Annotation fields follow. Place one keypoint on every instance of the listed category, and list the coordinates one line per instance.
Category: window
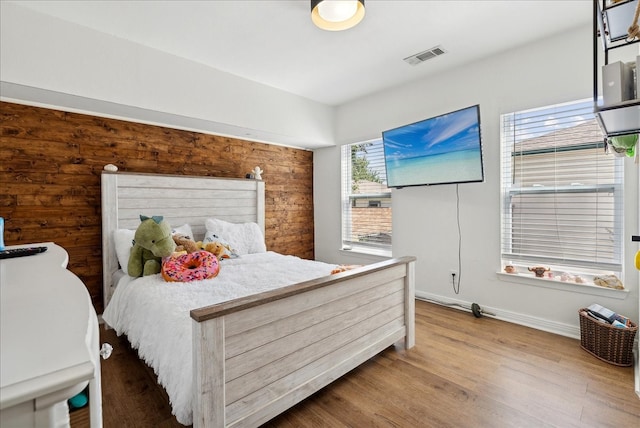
(561, 194)
(366, 200)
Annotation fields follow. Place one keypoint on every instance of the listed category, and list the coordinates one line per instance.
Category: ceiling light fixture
(337, 15)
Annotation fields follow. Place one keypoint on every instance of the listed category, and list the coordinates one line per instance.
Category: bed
(255, 354)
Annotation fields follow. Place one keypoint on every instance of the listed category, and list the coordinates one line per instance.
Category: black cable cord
(457, 289)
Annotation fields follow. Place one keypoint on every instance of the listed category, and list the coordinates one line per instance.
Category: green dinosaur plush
(152, 241)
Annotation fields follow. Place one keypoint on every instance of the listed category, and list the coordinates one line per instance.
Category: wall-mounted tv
(441, 150)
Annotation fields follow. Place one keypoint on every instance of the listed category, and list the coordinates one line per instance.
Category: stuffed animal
(216, 248)
(344, 268)
(185, 243)
(152, 241)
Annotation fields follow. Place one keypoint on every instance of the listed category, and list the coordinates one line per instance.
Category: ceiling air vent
(425, 55)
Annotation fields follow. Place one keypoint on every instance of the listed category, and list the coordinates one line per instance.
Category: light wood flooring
(463, 372)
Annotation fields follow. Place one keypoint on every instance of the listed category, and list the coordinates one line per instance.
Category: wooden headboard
(179, 199)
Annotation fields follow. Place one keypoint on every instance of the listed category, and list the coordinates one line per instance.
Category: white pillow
(245, 238)
(124, 241)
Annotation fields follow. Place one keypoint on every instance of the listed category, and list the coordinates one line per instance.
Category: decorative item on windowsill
(510, 269)
(539, 271)
(566, 277)
(608, 281)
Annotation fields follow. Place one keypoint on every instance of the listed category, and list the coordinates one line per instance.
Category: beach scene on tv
(443, 149)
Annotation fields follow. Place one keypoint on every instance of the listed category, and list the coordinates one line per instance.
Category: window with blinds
(561, 194)
(366, 200)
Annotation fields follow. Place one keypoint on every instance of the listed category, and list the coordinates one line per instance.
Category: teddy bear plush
(151, 242)
(216, 248)
(185, 243)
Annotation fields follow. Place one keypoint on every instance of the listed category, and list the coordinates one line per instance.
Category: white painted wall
(74, 67)
(424, 218)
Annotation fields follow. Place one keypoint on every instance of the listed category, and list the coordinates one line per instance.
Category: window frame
(509, 192)
(349, 203)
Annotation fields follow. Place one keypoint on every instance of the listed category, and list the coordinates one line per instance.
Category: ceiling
(276, 44)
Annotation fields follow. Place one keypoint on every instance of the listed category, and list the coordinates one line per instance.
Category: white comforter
(154, 314)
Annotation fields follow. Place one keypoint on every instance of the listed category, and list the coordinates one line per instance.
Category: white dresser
(49, 341)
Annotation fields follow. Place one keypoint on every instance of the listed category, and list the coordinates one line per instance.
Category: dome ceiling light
(337, 15)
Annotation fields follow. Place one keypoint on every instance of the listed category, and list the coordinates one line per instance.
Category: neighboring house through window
(366, 200)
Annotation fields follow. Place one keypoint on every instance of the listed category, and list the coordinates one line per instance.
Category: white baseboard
(562, 329)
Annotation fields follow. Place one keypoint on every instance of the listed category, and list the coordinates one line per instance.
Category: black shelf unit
(622, 118)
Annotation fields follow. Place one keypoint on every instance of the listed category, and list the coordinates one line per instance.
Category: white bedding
(154, 314)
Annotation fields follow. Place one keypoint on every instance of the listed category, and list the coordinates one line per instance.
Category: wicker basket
(611, 344)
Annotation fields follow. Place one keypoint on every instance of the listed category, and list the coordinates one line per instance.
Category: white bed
(239, 349)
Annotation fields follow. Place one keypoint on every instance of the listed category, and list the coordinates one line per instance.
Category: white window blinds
(561, 194)
(366, 200)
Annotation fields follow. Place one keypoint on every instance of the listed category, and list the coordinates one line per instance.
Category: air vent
(425, 55)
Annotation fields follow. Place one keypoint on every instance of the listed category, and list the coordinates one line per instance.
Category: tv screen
(441, 150)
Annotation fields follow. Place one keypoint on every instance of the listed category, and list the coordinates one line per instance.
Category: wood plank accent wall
(50, 165)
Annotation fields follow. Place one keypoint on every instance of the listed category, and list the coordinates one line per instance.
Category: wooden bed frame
(257, 356)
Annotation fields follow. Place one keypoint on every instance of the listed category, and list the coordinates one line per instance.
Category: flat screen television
(444, 149)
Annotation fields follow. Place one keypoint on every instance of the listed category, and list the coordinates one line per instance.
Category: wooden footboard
(255, 357)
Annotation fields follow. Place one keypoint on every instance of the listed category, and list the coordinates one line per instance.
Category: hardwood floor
(463, 372)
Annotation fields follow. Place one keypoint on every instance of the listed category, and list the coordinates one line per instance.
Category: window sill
(556, 284)
(355, 250)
